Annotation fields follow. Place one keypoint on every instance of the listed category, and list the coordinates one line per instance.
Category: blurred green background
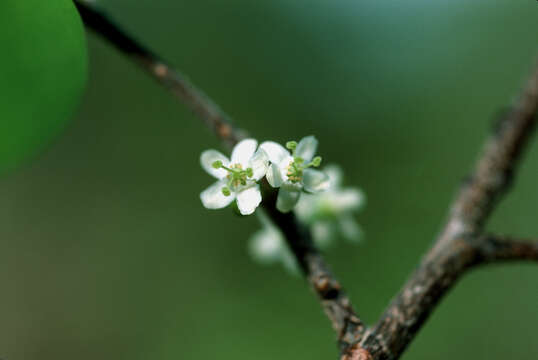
(107, 252)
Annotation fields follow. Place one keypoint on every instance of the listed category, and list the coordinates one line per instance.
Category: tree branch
(460, 245)
(174, 81)
(335, 302)
(495, 249)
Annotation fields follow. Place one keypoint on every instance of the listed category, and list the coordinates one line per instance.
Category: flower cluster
(237, 179)
(327, 210)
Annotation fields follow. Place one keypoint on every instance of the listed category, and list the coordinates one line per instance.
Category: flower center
(295, 170)
(296, 167)
(236, 176)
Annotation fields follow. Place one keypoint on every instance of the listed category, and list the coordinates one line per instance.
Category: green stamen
(296, 167)
(291, 145)
(295, 170)
(237, 176)
(226, 191)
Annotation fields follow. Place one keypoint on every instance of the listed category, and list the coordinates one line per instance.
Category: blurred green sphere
(42, 74)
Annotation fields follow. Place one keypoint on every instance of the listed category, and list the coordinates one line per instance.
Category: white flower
(237, 179)
(292, 172)
(268, 246)
(332, 210)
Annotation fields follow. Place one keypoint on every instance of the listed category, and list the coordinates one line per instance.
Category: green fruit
(43, 67)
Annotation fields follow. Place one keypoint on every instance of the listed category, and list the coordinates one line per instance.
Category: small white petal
(269, 245)
(335, 173)
(285, 163)
(213, 198)
(249, 199)
(315, 180)
(207, 159)
(266, 245)
(323, 234)
(276, 152)
(274, 176)
(306, 207)
(348, 199)
(243, 151)
(350, 229)
(290, 262)
(288, 195)
(306, 148)
(259, 164)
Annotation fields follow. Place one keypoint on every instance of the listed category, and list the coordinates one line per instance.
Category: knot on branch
(327, 287)
(357, 353)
